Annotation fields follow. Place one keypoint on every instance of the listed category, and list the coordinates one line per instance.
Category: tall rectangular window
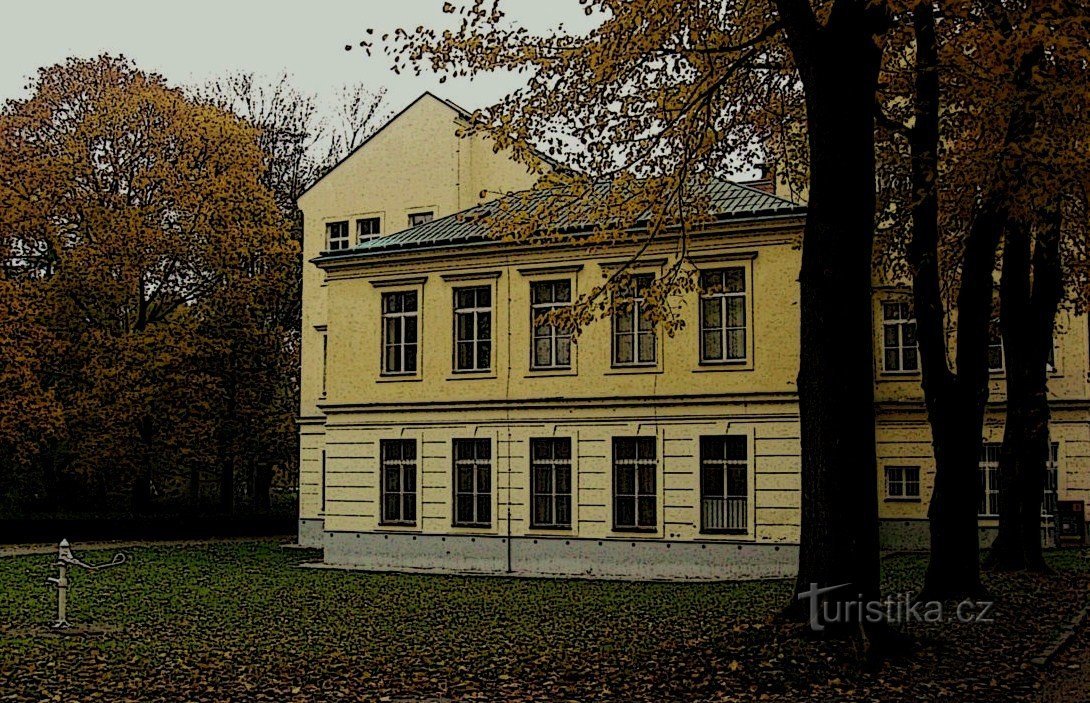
(325, 361)
(903, 482)
(472, 483)
(899, 338)
(473, 328)
(635, 497)
(550, 483)
(1052, 480)
(724, 483)
(420, 218)
(323, 481)
(996, 362)
(398, 457)
(723, 315)
(400, 332)
(634, 341)
(551, 344)
(368, 228)
(989, 479)
(336, 235)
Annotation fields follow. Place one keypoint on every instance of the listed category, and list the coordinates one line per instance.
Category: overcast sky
(193, 40)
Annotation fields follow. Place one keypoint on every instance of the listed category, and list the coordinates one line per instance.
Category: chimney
(766, 181)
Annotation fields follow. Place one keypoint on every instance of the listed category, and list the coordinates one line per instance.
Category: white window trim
(402, 320)
(475, 311)
(899, 325)
(634, 313)
(555, 335)
(724, 329)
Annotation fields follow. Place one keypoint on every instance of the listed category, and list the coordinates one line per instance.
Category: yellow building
(441, 429)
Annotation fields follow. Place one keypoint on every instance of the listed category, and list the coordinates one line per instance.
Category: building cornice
(562, 402)
(747, 233)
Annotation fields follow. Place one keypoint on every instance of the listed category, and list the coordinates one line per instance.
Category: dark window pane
(464, 508)
(563, 351)
(484, 509)
(563, 510)
(713, 482)
(624, 511)
(465, 479)
(390, 507)
(734, 280)
(712, 344)
(626, 481)
(647, 517)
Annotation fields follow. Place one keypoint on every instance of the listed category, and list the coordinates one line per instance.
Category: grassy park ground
(239, 622)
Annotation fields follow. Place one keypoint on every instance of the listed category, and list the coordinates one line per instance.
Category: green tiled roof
(728, 201)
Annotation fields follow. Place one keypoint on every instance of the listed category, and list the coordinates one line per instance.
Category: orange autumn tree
(124, 209)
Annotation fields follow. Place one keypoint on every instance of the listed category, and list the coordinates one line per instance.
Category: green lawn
(240, 622)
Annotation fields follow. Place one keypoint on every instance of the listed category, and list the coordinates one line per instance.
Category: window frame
(475, 464)
(402, 318)
(360, 238)
(725, 465)
(635, 300)
(995, 341)
(616, 466)
(412, 218)
(345, 239)
(898, 475)
(988, 468)
(476, 311)
(724, 329)
(552, 464)
(404, 465)
(555, 336)
(1051, 487)
(899, 324)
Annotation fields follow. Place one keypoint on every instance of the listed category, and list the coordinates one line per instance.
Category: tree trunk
(955, 435)
(142, 482)
(839, 532)
(956, 403)
(1029, 300)
(262, 499)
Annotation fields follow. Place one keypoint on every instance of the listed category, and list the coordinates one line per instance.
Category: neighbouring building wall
(904, 435)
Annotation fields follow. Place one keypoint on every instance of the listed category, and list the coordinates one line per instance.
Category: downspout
(507, 397)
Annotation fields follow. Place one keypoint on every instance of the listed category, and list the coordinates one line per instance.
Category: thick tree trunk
(956, 403)
(142, 482)
(262, 498)
(951, 412)
(839, 533)
(1029, 300)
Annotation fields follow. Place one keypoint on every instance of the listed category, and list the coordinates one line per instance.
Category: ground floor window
(989, 479)
(903, 482)
(550, 483)
(724, 483)
(398, 458)
(635, 503)
(472, 483)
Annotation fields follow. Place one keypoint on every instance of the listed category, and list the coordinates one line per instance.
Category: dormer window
(336, 235)
(420, 218)
(368, 228)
